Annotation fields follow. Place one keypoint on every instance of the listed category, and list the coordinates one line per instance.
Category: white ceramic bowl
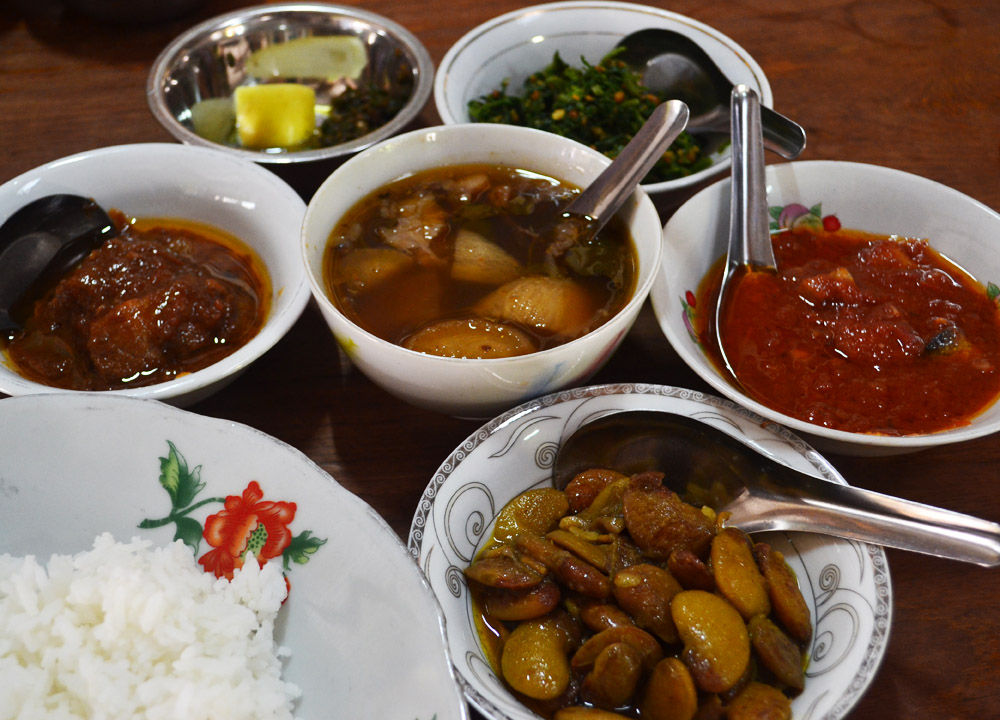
(465, 387)
(863, 197)
(359, 611)
(516, 44)
(845, 584)
(191, 183)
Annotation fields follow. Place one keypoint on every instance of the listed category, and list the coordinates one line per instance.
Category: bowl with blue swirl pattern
(845, 584)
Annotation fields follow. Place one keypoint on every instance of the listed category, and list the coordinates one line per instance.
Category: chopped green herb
(359, 111)
(601, 105)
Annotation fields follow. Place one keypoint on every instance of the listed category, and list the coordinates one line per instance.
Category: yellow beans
(670, 693)
(716, 642)
(644, 592)
(535, 659)
(535, 512)
(789, 606)
(758, 701)
(736, 573)
(618, 595)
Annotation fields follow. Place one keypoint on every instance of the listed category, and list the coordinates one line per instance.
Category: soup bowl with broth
(435, 260)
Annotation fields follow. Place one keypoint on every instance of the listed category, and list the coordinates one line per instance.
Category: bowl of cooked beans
(623, 593)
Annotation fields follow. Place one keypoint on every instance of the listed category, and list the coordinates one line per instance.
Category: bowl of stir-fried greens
(554, 67)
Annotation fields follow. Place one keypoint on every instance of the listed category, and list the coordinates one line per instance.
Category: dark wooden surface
(908, 84)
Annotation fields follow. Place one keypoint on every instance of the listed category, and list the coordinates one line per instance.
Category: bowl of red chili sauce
(879, 332)
(199, 281)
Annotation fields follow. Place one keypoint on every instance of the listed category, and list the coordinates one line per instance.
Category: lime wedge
(332, 57)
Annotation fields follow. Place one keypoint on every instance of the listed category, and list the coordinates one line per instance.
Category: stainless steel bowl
(209, 61)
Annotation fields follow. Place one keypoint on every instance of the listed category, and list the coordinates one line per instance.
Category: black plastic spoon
(676, 65)
(40, 242)
(762, 494)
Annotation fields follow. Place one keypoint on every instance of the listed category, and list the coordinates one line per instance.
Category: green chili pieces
(601, 105)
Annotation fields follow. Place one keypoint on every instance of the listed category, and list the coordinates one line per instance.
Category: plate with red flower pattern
(359, 615)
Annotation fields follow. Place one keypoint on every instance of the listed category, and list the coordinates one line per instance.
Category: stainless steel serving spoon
(602, 198)
(675, 65)
(750, 249)
(40, 242)
(596, 205)
(762, 494)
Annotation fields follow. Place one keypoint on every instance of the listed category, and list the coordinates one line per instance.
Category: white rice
(126, 631)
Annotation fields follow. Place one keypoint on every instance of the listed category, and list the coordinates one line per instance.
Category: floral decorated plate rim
(846, 583)
(358, 611)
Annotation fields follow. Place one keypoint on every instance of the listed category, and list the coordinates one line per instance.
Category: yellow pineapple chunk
(275, 115)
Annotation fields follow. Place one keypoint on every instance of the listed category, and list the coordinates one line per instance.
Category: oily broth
(474, 243)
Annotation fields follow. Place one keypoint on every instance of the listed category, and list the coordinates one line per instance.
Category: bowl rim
(276, 325)
(764, 89)
(694, 358)
(318, 285)
(423, 68)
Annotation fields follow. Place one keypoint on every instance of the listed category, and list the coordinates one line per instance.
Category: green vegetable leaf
(189, 531)
(302, 546)
(181, 483)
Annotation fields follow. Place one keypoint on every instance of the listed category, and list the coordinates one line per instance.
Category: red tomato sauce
(161, 299)
(861, 333)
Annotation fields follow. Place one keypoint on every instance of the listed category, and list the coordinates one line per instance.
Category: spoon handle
(749, 223)
(781, 134)
(849, 512)
(607, 193)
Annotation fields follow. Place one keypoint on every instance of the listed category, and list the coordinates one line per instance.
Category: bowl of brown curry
(195, 283)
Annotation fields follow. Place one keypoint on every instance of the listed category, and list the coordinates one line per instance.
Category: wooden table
(908, 84)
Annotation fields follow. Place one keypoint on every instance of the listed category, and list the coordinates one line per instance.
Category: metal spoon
(762, 494)
(40, 242)
(674, 64)
(598, 203)
(750, 249)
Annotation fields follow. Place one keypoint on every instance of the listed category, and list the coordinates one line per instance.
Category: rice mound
(126, 631)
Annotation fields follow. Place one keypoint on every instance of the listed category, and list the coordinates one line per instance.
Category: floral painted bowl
(846, 584)
(830, 195)
(358, 612)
